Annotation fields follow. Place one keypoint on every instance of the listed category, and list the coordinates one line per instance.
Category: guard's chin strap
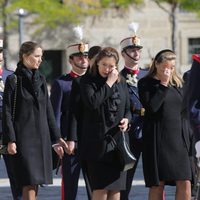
(130, 56)
(80, 67)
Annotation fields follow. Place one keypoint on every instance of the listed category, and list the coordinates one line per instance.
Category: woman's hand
(59, 150)
(112, 77)
(12, 148)
(71, 147)
(123, 124)
(164, 76)
(62, 143)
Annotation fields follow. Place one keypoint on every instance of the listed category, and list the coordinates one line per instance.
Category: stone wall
(110, 28)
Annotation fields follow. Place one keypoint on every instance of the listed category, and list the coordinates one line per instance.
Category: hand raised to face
(165, 71)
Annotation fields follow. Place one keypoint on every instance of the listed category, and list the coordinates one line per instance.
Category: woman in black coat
(166, 134)
(106, 110)
(29, 125)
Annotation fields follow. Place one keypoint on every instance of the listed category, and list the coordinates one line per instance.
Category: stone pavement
(138, 192)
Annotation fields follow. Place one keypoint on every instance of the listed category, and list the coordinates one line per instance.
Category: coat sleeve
(92, 96)
(56, 100)
(151, 95)
(53, 128)
(74, 111)
(7, 121)
(128, 105)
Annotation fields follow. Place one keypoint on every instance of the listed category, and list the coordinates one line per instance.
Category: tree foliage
(119, 3)
(175, 5)
(51, 13)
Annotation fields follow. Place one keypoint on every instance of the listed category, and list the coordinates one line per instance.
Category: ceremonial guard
(194, 95)
(193, 76)
(131, 53)
(60, 95)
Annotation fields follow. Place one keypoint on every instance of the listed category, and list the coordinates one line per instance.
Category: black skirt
(106, 175)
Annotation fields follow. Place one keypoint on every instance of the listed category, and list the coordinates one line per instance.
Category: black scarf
(33, 76)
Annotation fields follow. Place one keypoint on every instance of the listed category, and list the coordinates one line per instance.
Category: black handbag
(123, 157)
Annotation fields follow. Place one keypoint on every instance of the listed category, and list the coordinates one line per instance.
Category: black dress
(165, 151)
(103, 109)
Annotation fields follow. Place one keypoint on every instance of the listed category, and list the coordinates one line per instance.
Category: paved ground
(138, 192)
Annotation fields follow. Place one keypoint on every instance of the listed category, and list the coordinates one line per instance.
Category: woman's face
(106, 65)
(33, 60)
(165, 68)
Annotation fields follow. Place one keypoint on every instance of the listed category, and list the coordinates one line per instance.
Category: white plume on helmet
(133, 40)
(79, 47)
(133, 27)
(78, 31)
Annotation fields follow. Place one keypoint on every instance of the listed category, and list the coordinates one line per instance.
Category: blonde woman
(166, 132)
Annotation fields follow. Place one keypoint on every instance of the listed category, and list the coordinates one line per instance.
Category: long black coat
(94, 93)
(159, 162)
(34, 129)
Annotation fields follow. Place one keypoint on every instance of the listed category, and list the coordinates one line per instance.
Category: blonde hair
(163, 56)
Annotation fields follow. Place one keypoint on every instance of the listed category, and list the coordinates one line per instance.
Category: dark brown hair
(28, 48)
(106, 52)
(93, 51)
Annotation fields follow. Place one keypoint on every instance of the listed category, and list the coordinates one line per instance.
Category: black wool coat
(94, 93)
(33, 129)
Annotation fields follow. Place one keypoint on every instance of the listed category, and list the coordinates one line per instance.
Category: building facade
(109, 29)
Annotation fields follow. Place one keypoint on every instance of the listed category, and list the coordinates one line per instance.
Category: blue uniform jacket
(4, 76)
(137, 119)
(194, 92)
(60, 96)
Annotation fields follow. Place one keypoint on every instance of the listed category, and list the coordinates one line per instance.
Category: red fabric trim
(73, 74)
(132, 71)
(196, 57)
(1, 71)
(62, 185)
(163, 195)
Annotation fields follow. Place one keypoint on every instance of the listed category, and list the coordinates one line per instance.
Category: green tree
(52, 13)
(174, 7)
(46, 14)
